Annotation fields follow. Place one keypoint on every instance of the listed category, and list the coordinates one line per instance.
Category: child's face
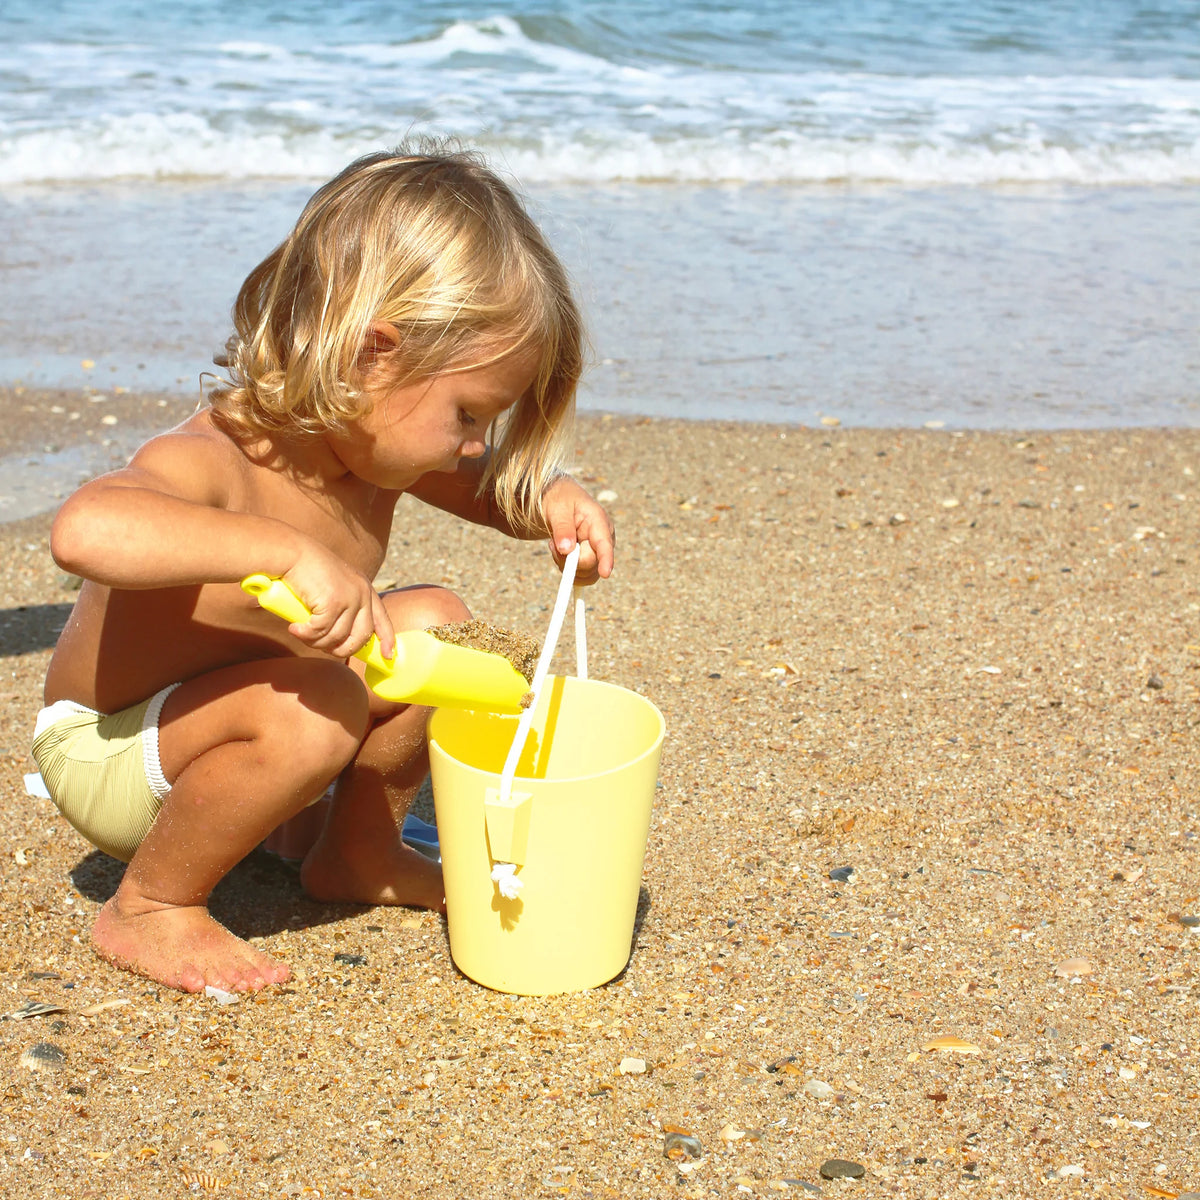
(431, 424)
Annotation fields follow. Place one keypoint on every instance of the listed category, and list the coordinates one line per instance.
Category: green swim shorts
(103, 771)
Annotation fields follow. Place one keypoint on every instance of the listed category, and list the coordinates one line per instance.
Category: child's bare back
(183, 724)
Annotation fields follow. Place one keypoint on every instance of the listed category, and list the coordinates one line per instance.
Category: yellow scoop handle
(424, 670)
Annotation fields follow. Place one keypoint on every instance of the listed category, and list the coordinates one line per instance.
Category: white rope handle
(580, 634)
(539, 675)
(504, 874)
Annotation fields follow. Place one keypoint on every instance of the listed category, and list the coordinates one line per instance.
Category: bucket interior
(582, 728)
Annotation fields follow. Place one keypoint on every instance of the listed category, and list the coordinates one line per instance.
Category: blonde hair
(435, 244)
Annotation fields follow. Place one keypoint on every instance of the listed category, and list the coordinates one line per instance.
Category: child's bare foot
(396, 874)
(183, 948)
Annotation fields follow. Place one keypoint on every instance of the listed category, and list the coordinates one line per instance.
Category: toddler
(413, 334)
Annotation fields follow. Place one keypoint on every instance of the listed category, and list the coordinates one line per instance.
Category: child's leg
(359, 855)
(244, 748)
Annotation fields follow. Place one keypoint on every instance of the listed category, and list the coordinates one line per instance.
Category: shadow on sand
(261, 896)
(31, 627)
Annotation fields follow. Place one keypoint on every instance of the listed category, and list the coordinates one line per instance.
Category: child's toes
(278, 972)
(191, 979)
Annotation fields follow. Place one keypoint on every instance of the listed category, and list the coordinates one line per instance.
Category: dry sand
(965, 666)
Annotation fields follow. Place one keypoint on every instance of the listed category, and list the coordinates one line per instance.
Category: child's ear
(381, 339)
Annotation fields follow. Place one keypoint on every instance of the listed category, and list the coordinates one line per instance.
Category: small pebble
(1069, 1170)
(803, 1183)
(633, 1066)
(351, 960)
(43, 1056)
(1070, 967)
(841, 874)
(818, 1089)
(841, 1168)
(682, 1147)
(1155, 682)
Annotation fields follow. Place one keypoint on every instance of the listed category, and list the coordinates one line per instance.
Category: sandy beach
(964, 665)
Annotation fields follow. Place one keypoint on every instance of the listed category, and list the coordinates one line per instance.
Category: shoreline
(964, 664)
(878, 306)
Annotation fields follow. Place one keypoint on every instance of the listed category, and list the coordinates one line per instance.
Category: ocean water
(889, 211)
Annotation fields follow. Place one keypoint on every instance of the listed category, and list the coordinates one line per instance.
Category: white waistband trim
(150, 760)
(55, 712)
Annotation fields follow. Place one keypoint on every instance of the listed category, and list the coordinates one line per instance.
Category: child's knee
(422, 607)
(329, 713)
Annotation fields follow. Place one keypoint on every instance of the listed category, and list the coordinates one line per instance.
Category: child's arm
(569, 515)
(165, 521)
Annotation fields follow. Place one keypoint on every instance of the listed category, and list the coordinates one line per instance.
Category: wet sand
(965, 666)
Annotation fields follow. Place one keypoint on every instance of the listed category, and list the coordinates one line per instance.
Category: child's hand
(345, 608)
(573, 516)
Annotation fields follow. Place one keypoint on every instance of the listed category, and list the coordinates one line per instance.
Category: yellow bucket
(574, 826)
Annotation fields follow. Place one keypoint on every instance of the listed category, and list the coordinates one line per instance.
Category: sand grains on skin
(397, 876)
(183, 948)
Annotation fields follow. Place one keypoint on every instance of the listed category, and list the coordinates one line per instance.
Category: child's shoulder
(196, 454)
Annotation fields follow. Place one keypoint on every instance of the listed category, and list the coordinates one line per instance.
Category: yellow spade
(423, 670)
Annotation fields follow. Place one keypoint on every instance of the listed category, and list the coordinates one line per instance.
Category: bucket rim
(655, 746)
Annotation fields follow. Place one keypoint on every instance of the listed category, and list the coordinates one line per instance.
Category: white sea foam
(185, 145)
(250, 106)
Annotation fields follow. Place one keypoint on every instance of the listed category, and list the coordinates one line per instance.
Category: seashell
(954, 1044)
(632, 1066)
(1070, 967)
(33, 1008)
(202, 1179)
(43, 1056)
(93, 1010)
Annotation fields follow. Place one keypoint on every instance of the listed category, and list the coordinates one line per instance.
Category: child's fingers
(382, 625)
(602, 539)
(342, 614)
(339, 634)
(562, 531)
(598, 543)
